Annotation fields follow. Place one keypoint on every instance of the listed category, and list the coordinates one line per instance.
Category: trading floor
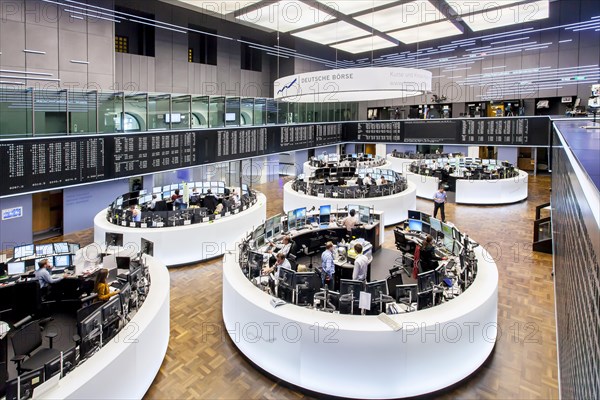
(202, 361)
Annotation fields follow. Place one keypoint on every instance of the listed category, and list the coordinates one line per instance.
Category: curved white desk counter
(309, 170)
(125, 367)
(394, 207)
(483, 192)
(360, 356)
(177, 245)
(493, 191)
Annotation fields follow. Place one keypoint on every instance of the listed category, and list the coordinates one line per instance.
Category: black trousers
(439, 206)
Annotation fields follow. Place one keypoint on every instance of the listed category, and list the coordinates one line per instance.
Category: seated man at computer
(152, 205)
(361, 264)
(367, 181)
(381, 181)
(281, 261)
(429, 261)
(43, 276)
(350, 221)
(177, 199)
(285, 249)
(136, 214)
(210, 201)
(235, 197)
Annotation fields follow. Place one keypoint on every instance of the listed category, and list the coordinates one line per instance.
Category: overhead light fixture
(402, 16)
(353, 84)
(332, 33)
(285, 15)
(511, 15)
(365, 44)
(429, 32)
(469, 6)
(354, 6)
(220, 7)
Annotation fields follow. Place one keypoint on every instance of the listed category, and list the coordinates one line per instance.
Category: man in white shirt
(367, 180)
(235, 197)
(153, 202)
(279, 263)
(361, 264)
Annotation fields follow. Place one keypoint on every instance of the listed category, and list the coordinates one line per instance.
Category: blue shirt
(439, 197)
(327, 262)
(44, 278)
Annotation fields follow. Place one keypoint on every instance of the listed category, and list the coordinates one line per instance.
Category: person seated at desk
(235, 197)
(429, 261)
(327, 265)
(43, 276)
(395, 153)
(367, 180)
(350, 221)
(136, 215)
(219, 209)
(210, 201)
(361, 264)
(152, 205)
(285, 249)
(177, 199)
(381, 181)
(280, 261)
(101, 287)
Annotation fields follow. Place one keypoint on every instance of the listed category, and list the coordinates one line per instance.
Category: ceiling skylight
(354, 6)
(469, 6)
(428, 32)
(408, 14)
(332, 33)
(220, 7)
(515, 14)
(286, 15)
(364, 44)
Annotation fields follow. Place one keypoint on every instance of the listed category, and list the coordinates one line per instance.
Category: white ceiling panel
(285, 16)
(354, 6)
(220, 7)
(365, 44)
(469, 6)
(332, 33)
(512, 15)
(408, 14)
(428, 32)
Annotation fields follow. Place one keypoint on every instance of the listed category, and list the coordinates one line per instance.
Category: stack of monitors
(259, 235)
(435, 226)
(448, 236)
(276, 225)
(414, 221)
(269, 229)
(426, 227)
(291, 220)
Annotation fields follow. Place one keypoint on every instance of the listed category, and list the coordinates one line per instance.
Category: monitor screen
(426, 281)
(291, 220)
(364, 213)
(63, 261)
(286, 276)
(113, 239)
(458, 247)
(61, 247)
(415, 225)
(425, 218)
(447, 231)
(435, 224)
(157, 189)
(300, 214)
(174, 186)
(44, 249)
(348, 286)
(244, 188)
(324, 214)
(258, 232)
(220, 190)
(119, 202)
(276, 224)
(147, 247)
(426, 228)
(166, 188)
(269, 229)
(23, 251)
(15, 268)
(414, 215)
(377, 288)
(73, 247)
(167, 194)
(448, 243)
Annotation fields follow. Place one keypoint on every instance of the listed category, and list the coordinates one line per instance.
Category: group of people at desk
(463, 168)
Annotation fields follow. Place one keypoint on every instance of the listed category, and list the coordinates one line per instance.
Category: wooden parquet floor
(202, 362)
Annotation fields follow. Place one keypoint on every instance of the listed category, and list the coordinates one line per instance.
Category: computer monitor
(23, 251)
(157, 189)
(15, 268)
(167, 194)
(119, 202)
(60, 248)
(258, 232)
(134, 277)
(147, 247)
(111, 310)
(440, 274)
(436, 224)
(62, 261)
(291, 220)
(425, 218)
(448, 243)
(426, 228)
(52, 368)
(376, 288)
(24, 384)
(415, 225)
(414, 215)
(276, 224)
(125, 295)
(324, 214)
(174, 186)
(269, 229)
(364, 213)
(255, 263)
(458, 248)
(73, 247)
(426, 281)
(447, 231)
(406, 294)
(113, 239)
(245, 189)
(44, 249)
(286, 277)
(90, 325)
(354, 207)
(166, 188)
(300, 214)
(220, 190)
(348, 286)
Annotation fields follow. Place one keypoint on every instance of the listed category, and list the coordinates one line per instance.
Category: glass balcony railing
(33, 112)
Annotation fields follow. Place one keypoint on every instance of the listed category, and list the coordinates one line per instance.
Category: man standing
(361, 264)
(327, 265)
(439, 201)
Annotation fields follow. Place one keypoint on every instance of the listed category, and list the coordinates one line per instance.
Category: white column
(473, 152)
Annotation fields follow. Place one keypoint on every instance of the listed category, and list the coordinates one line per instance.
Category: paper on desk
(364, 301)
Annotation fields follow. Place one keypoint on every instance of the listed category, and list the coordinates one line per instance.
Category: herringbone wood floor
(202, 362)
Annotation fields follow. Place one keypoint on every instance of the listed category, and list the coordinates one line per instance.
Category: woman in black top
(429, 261)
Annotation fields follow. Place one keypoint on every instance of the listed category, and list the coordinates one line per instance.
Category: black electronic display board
(505, 131)
(240, 143)
(30, 165)
(293, 137)
(431, 131)
(384, 131)
(328, 134)
(139, 154)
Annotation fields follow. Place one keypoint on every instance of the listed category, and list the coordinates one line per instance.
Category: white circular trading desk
(360, 356)
(186, 244)
(492, 191)
(394, 207)
(468, 191)
(125, 367)
(309, 170)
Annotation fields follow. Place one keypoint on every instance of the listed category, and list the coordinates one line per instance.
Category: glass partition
(181, 112)
(135, 114)
(82, 112)
(16, 111)
(216, 112)
(232, 111)
(50, 112)
(110, 112)
(200, 111)
(271, 111)
(260, 111)
(159, 112)
(247, 111)
(282, 112)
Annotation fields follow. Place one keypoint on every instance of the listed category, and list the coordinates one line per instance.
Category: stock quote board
(510, 131)
(32, 165)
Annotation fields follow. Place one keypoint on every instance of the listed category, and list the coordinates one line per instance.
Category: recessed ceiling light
(354, 6)
(428, 32)
(364, 44)
(220, 7)
(286, 15)
(332, 33)
(404, 15)
(515, 14)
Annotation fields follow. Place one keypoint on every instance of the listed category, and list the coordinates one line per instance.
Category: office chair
(25, 341)
(402, 244)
